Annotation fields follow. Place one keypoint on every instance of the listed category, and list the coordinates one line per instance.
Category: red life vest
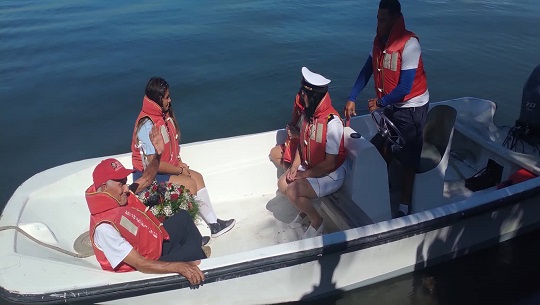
(292, 144)
(520, 176)
(133, 221)
(386, 60)
(313, 135)
(152, 110)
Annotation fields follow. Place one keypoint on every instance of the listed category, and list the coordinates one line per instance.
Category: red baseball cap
(109, 169)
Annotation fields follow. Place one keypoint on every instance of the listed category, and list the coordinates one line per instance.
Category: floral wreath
(166, 199)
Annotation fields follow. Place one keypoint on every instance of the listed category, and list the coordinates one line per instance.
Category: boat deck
(262, 222)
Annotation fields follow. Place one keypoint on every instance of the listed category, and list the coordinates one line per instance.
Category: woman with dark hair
(157, 110)
(318, 168)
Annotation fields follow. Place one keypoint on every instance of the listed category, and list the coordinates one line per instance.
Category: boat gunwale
(173, 282)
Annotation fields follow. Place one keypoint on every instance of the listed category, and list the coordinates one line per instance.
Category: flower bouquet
(166, 199)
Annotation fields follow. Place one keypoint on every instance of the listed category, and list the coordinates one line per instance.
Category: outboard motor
(527, 128)
(530, 104)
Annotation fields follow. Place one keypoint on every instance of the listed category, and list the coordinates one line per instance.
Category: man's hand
(190, 271)
(157, 140)
(187, 269)
(300, 175)
(350, 109)
(372, 104)
(291, 174)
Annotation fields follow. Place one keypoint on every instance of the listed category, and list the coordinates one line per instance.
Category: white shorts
(327, 184)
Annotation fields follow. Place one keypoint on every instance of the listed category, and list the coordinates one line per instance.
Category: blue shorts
(159, 177)
(410, 122)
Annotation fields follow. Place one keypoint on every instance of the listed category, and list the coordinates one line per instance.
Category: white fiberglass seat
(429, 181)
(366, 181)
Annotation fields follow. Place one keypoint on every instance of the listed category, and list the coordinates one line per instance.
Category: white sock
(404, 208)
(205, 209)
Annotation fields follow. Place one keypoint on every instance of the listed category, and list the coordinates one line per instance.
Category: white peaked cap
(314, 78)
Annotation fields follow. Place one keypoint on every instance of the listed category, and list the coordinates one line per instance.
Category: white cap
(314, 78)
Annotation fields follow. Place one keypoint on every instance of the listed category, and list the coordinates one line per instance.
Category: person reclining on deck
(126, 236)
(318, 168)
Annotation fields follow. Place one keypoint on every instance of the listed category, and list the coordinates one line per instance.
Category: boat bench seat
(428, 189)
(343, 212)
(364, 198)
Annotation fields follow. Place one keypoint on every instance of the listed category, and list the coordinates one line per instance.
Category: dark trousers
(410, 122)
(185, 243)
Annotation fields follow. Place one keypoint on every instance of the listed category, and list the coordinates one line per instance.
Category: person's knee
(183, 215)
(188, 183)
(275, 152)
(195, 175)
(191, 186)
(178, 222)
(276, 155)
(296, 189)
(282, 183)
(290, 191)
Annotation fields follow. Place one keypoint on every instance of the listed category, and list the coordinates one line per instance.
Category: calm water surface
(73, 75)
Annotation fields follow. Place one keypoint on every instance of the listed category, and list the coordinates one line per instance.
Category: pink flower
(174, 197)
(154, 187)
(146, 194)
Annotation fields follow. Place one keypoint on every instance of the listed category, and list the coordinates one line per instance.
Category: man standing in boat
(126, 236)
(401, 88)
(318, 168)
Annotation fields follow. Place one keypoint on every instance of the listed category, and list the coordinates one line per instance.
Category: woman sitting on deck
(157, 109)
(318, 168)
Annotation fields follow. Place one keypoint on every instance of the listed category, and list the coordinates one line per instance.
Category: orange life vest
(519, 176)
(386, 60)
(133, 221)
(292, 143)
(164, 122)
(313, 135)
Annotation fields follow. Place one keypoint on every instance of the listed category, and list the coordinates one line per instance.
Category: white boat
(262, 260)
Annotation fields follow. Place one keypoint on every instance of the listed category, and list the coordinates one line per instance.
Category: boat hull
(337, 262)
(262, 261)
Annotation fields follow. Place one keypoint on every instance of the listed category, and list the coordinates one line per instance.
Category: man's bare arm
(187, 269)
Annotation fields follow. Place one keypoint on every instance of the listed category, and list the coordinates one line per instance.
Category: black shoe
(205, 240)
(221, 226)
(487, 177)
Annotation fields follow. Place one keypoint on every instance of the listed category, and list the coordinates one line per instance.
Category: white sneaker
(311, 232)
(298, 221)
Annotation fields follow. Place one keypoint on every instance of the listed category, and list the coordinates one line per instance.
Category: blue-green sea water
(72, 76)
